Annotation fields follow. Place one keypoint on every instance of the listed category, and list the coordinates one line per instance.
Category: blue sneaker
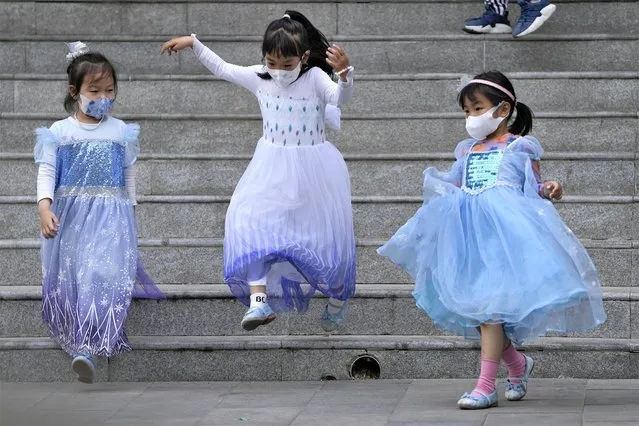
(473, 402)
(533, 15)
(256, 316)
(84, 367)
(490, 22)
(517, 391)
(331, 322)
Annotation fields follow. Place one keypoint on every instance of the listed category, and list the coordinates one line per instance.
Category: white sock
(335, 305)
(258, 299)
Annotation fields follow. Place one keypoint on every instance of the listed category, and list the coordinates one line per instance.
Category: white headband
(76, 49)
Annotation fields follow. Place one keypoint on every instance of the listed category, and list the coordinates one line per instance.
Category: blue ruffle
(46, 146)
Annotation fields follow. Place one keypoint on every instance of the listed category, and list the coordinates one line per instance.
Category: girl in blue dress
(86, 193)
(491, 257)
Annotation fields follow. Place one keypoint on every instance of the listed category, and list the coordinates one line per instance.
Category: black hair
(524, 118)
(293, 37)
(83, 65)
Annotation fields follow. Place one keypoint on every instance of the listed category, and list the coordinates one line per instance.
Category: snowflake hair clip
(76, 49)
(463, 82)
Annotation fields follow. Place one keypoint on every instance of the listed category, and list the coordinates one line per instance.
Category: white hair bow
(463, 82)
(76, 49)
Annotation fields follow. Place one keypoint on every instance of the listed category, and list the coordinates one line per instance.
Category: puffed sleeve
(45, 147)
(132, 144)
(528, 145)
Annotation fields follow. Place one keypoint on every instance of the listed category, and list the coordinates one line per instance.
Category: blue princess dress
(89, 269)
(486, 248)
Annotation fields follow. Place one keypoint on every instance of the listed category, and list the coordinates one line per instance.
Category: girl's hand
(338, 60)
(49, 223)
(176, 44)
(553, 190)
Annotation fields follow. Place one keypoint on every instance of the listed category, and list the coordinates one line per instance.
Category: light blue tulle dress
(91, 268)
(486, 248)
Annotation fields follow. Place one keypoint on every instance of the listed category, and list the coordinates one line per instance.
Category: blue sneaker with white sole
(256, 316)
(533, 15)
(490, 22)
(84, 367)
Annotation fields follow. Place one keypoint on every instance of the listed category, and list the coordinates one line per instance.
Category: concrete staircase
(580, 74)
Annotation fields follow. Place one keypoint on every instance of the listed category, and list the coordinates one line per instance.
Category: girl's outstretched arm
(243, 76)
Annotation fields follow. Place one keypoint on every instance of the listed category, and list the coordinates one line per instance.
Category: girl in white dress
(289, 226)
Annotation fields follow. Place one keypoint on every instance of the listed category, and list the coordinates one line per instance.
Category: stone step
(375, 217)
(199, 260)
(233, 358)
(384, 175)
(370, 54)
(367, 134)
(375, 94)
(341, 17)
(375, 310)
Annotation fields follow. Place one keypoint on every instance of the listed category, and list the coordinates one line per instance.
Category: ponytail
(523, 121)
(317, 43)
(294, 35)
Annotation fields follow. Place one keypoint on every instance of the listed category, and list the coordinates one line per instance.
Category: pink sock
(487, 376)
(515, 362)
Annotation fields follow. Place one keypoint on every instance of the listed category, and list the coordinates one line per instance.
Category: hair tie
(286, 15)
(76, 49)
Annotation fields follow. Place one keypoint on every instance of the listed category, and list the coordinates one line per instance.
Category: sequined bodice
(292, 121)
(490, 165)
(90, 163)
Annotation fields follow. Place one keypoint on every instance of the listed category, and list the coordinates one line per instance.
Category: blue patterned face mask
(97, 108)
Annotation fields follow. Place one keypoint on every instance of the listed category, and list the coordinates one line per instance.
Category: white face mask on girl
(480, 126)
(285, 78)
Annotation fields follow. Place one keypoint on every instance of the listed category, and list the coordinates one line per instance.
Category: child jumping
(289, 226)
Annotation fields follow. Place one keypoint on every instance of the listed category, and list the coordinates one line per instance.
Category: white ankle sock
(335, 305)
(258, 299)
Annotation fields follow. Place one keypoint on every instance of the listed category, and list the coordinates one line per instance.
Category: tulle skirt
(89, 274)
(498, 257)
(290, 226)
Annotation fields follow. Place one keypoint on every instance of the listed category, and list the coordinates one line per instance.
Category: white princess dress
(290, 221)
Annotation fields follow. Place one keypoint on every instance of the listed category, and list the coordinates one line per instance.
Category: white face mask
(285, 78)
(480, 126)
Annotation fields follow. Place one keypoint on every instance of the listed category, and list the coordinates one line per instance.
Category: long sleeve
(44, 154)
(333, 93)
(45, 181)
(243, 76)
(129, 182)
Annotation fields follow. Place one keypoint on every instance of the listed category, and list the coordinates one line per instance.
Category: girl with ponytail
(289, 226)
(491, 257)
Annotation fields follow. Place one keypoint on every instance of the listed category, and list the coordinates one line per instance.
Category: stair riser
(203, 265)
(368, 177)
(331, 18)
(370, 97)
(372, 220)
(306, 364)
(381, 136)
(370, 57)
(222, 316)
